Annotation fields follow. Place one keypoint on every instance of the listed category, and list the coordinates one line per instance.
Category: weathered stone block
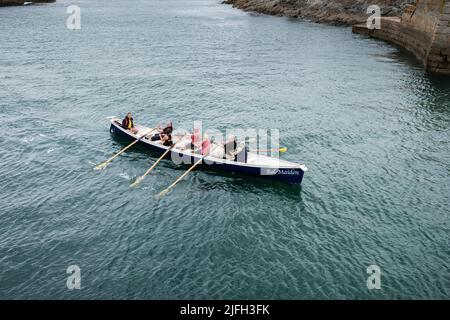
(435, 50)
(436, 57)
(432, 64)
(442, 29)
(11, 2)
(443, 71)
(444, 65)
(446, 8)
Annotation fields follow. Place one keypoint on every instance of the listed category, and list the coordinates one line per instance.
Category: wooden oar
(105, 163)
(138, 180)
(162, 193)
(271, 150)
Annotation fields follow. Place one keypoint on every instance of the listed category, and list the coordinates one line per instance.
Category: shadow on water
(236, 182)
(432, 90)
(230, 181)
(403, 56)
(440, 84)
(399, 55)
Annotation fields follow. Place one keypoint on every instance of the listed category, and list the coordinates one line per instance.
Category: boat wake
(125, 176)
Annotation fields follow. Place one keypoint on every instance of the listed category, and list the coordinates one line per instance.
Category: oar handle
(144, 135)
(130, 145)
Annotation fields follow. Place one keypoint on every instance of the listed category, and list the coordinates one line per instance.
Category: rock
(330, 11)
(4, 3)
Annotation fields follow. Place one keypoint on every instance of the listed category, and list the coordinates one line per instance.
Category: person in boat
(196, 140)
(128, 123)
(232, 152)
(230, 146)
(165, 136)
(206, 146)
(241, 154)
(217, 150)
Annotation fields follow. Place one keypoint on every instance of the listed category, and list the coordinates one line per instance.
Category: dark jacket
(168, 142)
(168, 130)
(125, 123)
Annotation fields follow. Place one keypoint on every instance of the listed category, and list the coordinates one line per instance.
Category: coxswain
(128, 124)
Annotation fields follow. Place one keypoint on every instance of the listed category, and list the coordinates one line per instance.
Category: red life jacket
(206, 146)
(196, 138)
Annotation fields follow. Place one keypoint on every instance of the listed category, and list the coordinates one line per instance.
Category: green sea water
(371, 126)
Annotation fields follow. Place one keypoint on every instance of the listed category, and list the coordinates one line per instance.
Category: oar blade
(104, 164)
(162, 193)
(136, 183)
(282, 150)
(101, 166)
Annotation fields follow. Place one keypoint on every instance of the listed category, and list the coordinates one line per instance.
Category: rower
(230, 147)
(241, 154)
(196, 139)
(216, 150)
(206, 145)
(128, 123)
(165, 136)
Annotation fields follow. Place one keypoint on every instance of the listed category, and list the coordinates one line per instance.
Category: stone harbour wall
(423, 29)
(4, 3)
(329, 11)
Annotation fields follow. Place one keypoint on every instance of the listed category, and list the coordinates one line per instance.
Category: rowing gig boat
(256, 164)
